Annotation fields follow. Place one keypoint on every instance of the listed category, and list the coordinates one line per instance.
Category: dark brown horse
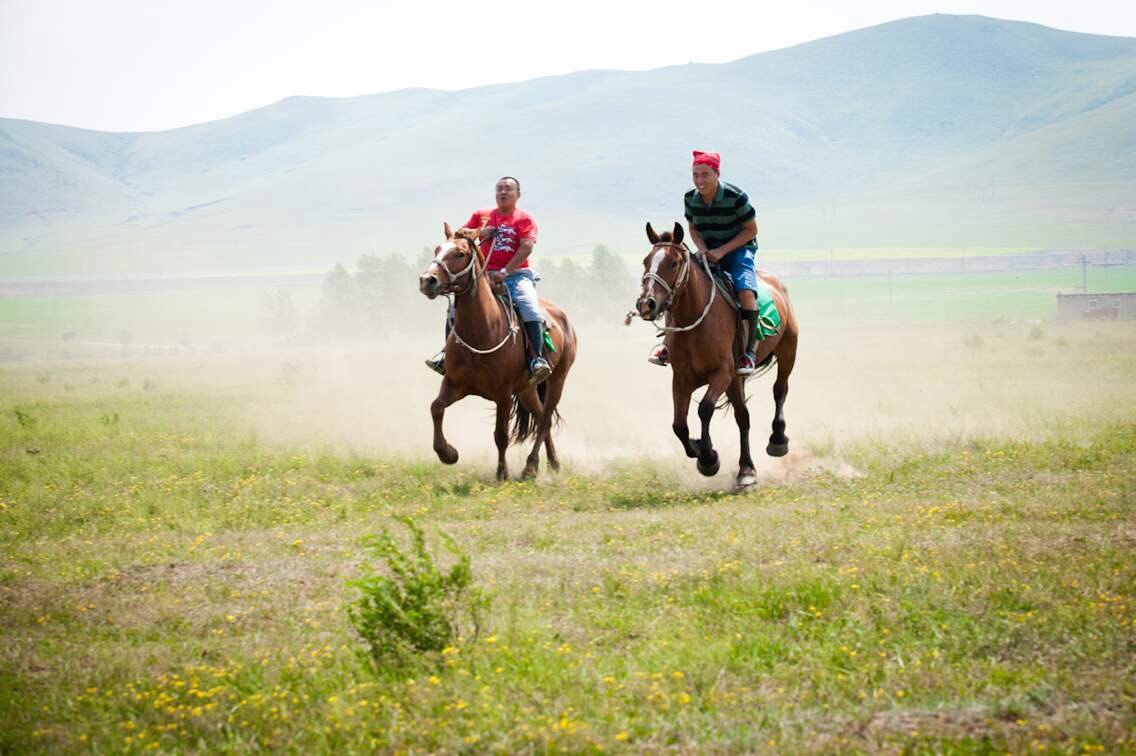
(485, 355)
(701, 330)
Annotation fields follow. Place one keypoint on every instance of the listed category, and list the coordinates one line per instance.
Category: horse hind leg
(550, 400)
(786, 356)
(556, 389)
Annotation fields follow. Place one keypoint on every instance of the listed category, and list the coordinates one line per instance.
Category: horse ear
(651, 235)
(678, 233)
(449, 233)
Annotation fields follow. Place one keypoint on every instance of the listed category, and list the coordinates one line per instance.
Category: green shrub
(411, 610)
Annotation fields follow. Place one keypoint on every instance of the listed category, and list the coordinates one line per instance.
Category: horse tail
(524, 424)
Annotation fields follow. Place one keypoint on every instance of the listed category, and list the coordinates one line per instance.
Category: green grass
(1010, 295)
(170, 582)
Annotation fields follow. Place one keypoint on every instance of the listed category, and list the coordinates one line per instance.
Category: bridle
(451, 287)
(680, 281)
(450, 290)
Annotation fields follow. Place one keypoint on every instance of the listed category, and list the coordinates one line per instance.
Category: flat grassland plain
(944, 562)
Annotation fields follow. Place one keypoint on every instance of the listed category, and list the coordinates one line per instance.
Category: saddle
(768, 318)
(546, 323)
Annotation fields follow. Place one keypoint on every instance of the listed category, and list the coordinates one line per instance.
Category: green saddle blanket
(768, 318)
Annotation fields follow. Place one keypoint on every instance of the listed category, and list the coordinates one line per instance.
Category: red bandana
(712, 159)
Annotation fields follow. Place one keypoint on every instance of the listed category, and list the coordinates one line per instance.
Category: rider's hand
(486, 232)
(496, 276)
(712, 255)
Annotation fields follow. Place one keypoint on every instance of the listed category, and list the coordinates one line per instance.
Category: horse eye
(674, 263)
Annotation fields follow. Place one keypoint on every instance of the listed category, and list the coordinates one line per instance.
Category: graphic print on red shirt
(511, 230)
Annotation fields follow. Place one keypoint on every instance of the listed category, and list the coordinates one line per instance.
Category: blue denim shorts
(740, 266)
(522, 288)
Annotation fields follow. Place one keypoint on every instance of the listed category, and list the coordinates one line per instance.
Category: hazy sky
(122, 65)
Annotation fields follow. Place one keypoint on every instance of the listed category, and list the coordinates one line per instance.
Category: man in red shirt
(508, 236)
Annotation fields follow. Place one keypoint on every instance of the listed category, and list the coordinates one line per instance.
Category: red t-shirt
(511, 230)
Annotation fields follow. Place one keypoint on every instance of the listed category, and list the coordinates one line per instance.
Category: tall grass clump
(409, 610)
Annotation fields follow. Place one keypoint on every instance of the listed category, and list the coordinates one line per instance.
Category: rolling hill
(930, 131)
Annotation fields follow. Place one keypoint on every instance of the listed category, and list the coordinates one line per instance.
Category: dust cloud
(855, 385)
(896, 386)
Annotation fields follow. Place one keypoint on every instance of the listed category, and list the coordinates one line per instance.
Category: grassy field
(955, 576)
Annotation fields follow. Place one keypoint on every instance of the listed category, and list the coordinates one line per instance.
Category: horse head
(664, 271)
(456, 265)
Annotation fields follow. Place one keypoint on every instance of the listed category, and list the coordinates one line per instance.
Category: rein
(451, 292)
(680, 281)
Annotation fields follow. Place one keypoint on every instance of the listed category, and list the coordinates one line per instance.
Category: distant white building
(1115, 306)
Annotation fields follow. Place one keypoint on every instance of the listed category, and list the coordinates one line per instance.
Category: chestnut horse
(485, 355)
(701, 329)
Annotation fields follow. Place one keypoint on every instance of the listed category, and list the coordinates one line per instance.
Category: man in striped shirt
(723, 227)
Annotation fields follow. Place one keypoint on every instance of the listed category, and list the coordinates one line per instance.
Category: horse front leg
(501, 436)
(680, 394)
(708, 462)
(747, 476)
(447, 395)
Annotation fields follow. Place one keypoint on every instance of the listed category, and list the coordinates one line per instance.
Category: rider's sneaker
(660, 357)
(437, 363)
(745, 365)
(539, 369)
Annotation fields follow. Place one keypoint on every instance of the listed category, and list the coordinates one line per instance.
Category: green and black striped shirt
(723, 218)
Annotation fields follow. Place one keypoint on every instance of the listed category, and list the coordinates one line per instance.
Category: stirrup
(660, 357)
(539, 370)
(437, 363)
(745, 365)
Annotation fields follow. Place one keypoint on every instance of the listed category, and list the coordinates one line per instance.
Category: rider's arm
(749, 230)
(524, 249)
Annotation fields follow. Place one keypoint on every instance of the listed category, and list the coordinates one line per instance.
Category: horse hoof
(529, 472)
(711, 469)
(746, 479)
(777, 450)
(448, 455)
(502, 475)
(554, 465)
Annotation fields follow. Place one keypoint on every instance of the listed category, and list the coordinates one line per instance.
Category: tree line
(380, 296)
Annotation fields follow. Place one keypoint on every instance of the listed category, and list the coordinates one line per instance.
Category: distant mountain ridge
(936, 130)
